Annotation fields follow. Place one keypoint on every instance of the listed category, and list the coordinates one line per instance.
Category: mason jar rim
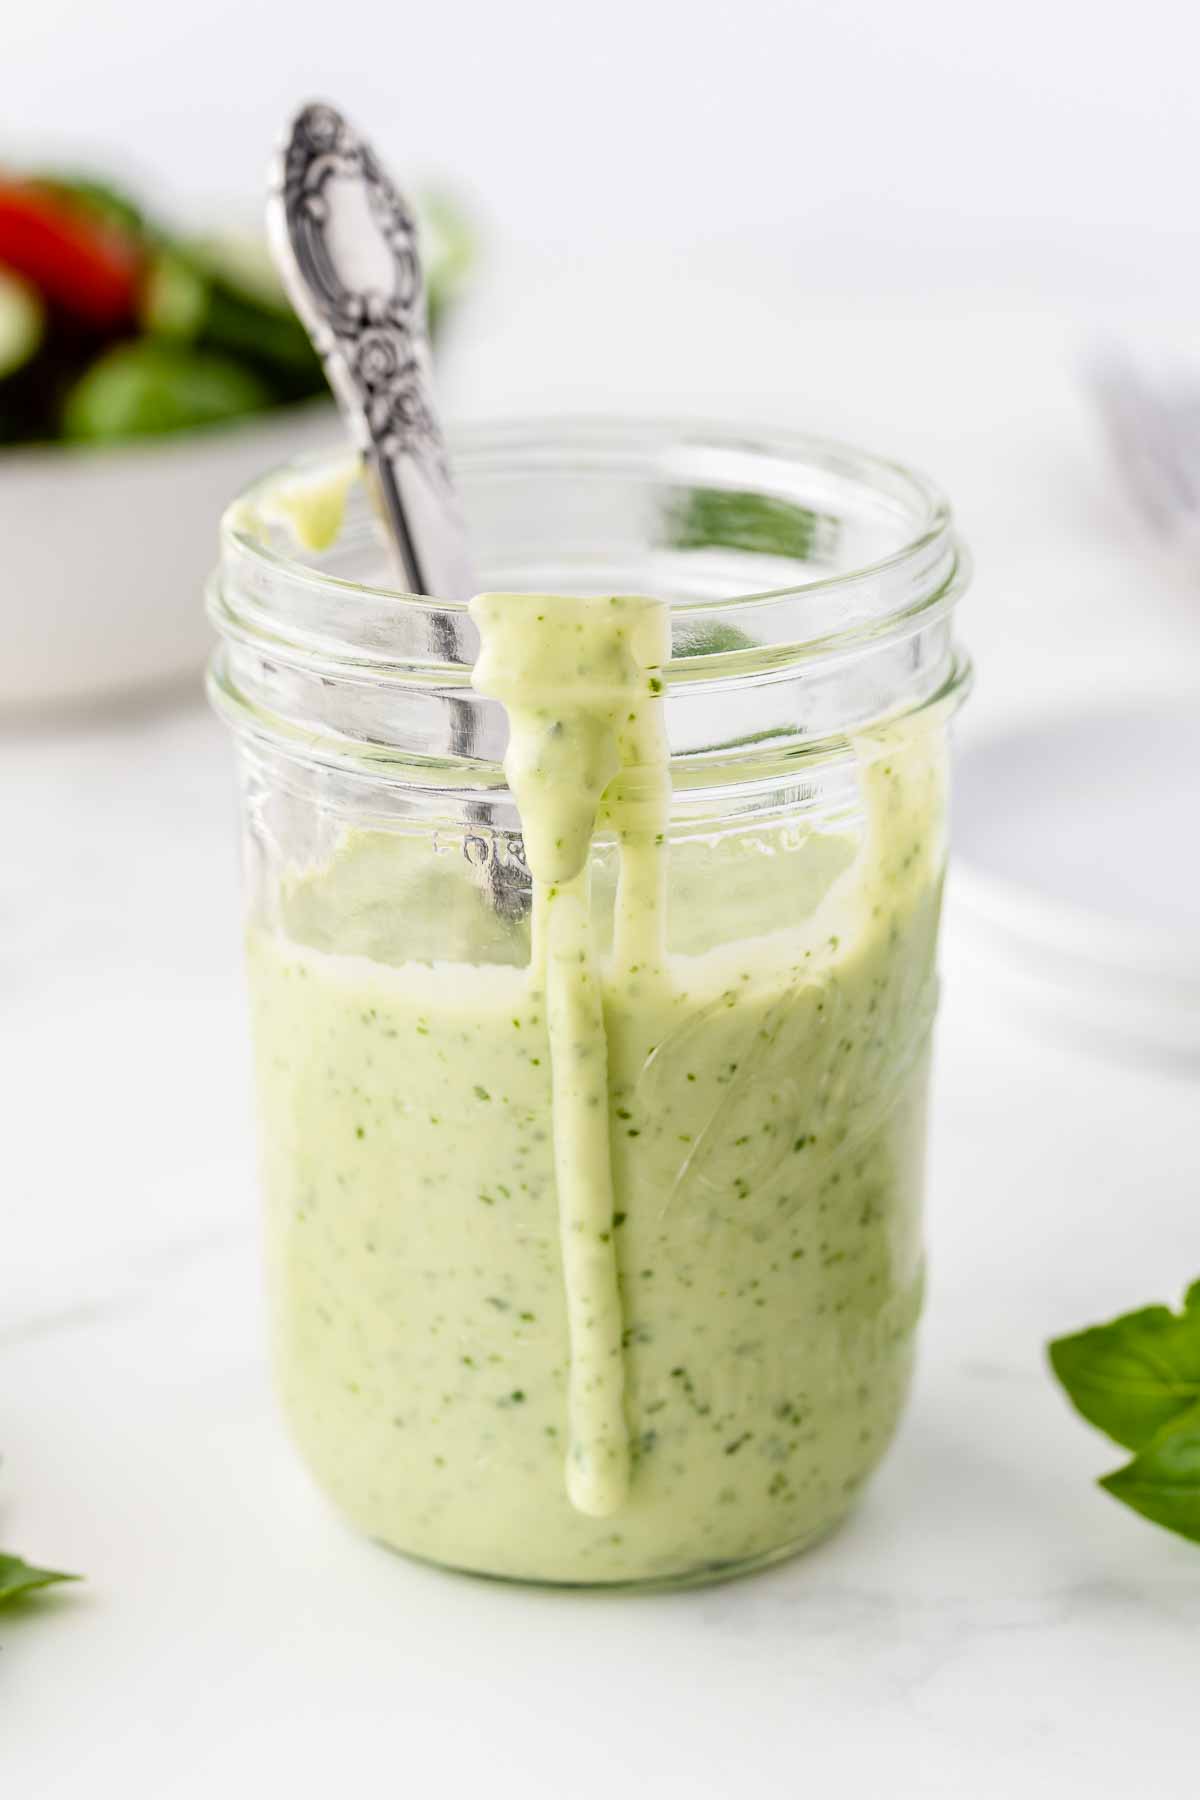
(551, 435)
(361, 675)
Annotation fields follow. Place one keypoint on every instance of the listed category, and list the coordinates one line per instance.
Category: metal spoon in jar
(345, 243)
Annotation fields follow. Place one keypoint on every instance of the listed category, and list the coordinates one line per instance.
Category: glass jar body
(766, 1120)
(767, 1124)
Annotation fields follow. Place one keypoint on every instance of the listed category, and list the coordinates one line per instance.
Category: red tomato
(77, 263)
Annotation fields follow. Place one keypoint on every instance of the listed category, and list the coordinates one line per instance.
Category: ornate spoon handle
(345, 242)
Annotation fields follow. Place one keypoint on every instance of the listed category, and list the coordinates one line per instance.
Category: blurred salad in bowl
(146, 377)
(114, 328)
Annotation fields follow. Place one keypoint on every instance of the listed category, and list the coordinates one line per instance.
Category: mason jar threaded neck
(811, 589)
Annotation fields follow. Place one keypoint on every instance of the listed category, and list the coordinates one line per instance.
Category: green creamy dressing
(578, 684)
(595, 1242)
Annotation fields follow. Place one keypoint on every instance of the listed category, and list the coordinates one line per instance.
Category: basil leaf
(1163, 1483)
(18, 1578)
(1136, 1375)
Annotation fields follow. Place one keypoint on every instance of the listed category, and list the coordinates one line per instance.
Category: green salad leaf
(144, 388)
(1138, 1380)
(111, 204)
(222, 294)
(18, 1578)
(208, 333)
(718, 639)
(733, 519)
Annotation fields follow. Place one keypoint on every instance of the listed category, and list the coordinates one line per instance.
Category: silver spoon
(345, 243)
(344, 240)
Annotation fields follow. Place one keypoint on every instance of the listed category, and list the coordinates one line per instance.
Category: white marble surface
(988, 1624)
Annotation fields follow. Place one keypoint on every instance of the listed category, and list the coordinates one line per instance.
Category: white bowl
(105, 552)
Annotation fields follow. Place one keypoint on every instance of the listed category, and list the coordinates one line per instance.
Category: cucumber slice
(22, 323)
(174, 298)
(221, 294)
(147, 388)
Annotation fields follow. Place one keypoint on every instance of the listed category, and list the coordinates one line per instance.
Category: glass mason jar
(765, 1091)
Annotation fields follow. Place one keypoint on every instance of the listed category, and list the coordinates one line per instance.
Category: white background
(933, 139)
(903, 223)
